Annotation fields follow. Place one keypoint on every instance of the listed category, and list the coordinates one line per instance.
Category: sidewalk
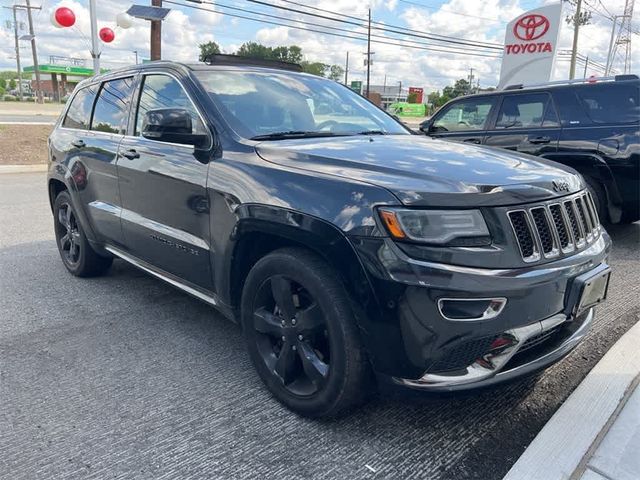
(595, 435)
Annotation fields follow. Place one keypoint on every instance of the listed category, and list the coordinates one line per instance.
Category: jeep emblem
(560, 186)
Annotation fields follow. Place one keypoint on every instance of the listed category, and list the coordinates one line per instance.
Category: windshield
(264, 105)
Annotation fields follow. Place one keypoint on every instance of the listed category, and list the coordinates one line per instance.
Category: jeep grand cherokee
(350, 250)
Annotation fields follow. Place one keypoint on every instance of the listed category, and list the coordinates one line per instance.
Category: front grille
(539, 339)
(463, 354)
(552, 228)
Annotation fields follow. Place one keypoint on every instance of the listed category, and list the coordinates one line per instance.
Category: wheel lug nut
(293, 321)
(283, 338)
(294, 348)
(300, 337)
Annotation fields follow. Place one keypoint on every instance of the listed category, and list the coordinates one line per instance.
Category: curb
(23, 168)
(575, 429)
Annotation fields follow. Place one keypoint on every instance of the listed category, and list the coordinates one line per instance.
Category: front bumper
(504, 364)
(410, 341)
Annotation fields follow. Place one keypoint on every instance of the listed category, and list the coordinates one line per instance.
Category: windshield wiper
(296, 134)
(372, 132)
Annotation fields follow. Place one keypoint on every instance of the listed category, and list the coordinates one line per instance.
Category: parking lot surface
(124, 377)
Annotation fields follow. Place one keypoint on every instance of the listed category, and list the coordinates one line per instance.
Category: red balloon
(107, 35)
(64, 17)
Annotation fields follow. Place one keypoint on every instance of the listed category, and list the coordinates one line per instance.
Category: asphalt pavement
(124, 377)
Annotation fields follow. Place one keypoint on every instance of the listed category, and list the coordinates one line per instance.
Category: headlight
(438, 227)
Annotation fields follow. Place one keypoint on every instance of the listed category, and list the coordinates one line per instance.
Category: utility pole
(613, 34)
(136, 52)
(368, 53)
(346, 71)
(95, 45)
(586, 66)
(17, 43)
(34, 51)
(156, 34)
(470, 80)
(574, 48)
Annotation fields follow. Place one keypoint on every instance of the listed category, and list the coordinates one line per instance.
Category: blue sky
(478, 22)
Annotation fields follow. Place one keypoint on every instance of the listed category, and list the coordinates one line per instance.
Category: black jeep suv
(592, 126)
(350, 250)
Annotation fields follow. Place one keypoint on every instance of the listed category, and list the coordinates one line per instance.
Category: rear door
(90, 134)
(527, 123)
(464, 120)
(165, 214)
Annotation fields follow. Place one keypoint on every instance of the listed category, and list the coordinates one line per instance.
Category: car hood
(422, 171)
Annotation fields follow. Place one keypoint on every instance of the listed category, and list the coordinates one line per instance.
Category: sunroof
(148, 13)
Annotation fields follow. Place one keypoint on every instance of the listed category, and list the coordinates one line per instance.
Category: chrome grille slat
(549, 229)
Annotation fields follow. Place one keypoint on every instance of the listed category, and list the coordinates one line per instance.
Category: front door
(165, 207)
(527, 123)
(463, 121)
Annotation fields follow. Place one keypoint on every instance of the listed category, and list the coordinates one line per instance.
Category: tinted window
(464, 115)
(610, 103)
(162, 91)
(527, 111)
(112, 106)
(261, 103)
(79, 113)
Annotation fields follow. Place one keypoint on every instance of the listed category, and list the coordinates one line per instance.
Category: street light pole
(346, 70)
(15, 33)
(95, 45)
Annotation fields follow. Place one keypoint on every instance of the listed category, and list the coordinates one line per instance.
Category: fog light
(469, 309)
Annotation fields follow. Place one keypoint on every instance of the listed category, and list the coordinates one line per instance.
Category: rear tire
(77, 255)
(302, 336)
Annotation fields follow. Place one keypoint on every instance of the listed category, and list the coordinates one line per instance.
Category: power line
(439, 9)
(390, 28)
(351, 37)
(472, 48)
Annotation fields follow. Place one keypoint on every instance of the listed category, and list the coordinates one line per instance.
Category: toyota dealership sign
(530, 46)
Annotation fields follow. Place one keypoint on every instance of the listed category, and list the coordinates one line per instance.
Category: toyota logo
(531, 27)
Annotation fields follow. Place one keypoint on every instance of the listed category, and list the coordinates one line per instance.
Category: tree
(412, 97)
(206, 49)
(13, 84)
(336, 73)
(255, 50)
(315, 68)
(3, 83)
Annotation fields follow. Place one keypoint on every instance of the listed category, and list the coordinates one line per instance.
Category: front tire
(77, 255)
(302, 336)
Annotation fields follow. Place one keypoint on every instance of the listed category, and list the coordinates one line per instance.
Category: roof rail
(617, 78)
(222, 59)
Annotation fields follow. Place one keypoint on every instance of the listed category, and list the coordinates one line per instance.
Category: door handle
(79, 143)
(131, 154)
(477, 141)
(536, 140)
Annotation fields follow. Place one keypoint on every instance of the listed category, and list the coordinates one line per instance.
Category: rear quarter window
(79, 113)
(610, 103)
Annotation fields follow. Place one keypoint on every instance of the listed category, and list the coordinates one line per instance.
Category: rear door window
(112, 107)
(465, 115)
(527, 111)
(79, 113)
(611, 103)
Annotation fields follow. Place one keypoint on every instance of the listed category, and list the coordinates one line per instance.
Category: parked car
(349, 249)
(591, 126)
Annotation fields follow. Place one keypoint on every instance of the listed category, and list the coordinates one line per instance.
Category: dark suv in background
(591, 126)
(342, 243)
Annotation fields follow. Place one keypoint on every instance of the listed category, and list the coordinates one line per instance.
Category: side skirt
(203, 295)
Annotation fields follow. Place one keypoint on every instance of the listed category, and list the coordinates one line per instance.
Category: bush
(10, 98)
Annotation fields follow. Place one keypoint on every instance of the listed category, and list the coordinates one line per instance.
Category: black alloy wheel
(292, 335)
(69, 239)
(300, 326)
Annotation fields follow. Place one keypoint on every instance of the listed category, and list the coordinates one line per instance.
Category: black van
(590, 125)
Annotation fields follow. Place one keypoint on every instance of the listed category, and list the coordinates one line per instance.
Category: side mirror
(426, 127)
(172, 125)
